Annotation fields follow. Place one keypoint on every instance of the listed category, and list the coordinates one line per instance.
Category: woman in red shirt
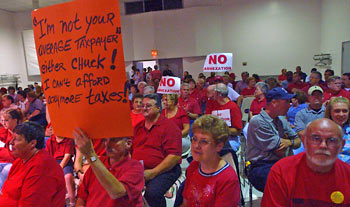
(210, 180)
(10, 119)
(178, 115)
(260, 101)
(249, 91)
(136, 113)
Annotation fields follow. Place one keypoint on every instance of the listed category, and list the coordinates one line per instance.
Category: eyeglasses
(201, 142)
(331, 142)
(147, 106)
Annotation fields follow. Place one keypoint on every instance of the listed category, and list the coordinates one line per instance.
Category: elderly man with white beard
(316, 177)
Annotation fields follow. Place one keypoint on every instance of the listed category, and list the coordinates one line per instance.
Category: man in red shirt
(334, 84)
(227, 110)
(314, 80)
(316, 177)
(188, 103)
(114, 180)
(297, 83)
(35, 178)
(157, 143)
(156, 74)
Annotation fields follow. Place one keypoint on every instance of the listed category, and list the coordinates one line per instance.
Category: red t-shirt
(152, 146)
(190, 105)
(257, 105)
(180, 118)
(218, 189)
(136, 118)
(328, 95)
(128, 171)
(292, 183)
(156, 74)
(282, 78)
(35, 183)
(5, 154)
(235, 113)
(298, 85)
(59, 149)
(248, 92)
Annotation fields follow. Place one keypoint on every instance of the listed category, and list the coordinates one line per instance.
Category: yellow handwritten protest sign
(80, 53)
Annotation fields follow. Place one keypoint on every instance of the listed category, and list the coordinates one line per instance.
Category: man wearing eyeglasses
(157, 143)
(112, 180)
(270, 137)
(316, 177)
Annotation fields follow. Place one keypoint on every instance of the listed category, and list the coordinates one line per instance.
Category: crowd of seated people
(294, 113)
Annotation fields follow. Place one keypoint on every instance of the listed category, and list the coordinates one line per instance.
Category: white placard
(169, 85)
(224, 115)
(218, 62)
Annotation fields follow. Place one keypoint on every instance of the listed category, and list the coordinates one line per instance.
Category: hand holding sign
(218, 62)
(169, 85)
(82, 67)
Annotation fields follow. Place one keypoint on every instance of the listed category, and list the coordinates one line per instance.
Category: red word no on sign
(213, 59)
(170, 82)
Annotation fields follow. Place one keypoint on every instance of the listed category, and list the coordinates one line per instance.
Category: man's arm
(186, 129)
(65, 160)
(167, 164)
(36, 112)
(192, 115)
(112, 186)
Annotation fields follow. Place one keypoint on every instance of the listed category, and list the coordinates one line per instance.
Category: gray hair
(148, 90)
(221, 88)
(263, 86)
(155, 97)
(332, 79)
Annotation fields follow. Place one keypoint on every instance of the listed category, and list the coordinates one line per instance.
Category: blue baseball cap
(278, 93)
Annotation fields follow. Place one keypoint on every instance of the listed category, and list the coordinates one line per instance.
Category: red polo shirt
(190, 105)
(180, 118)
(128, 171)
(257, 105)
(298, 85)
(235, 113)
(153, 145)
(35, 183)
(5, 154)
(59, 149)
(328, 95)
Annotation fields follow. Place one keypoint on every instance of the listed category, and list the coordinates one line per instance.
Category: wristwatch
(93, 159)
(292, 141)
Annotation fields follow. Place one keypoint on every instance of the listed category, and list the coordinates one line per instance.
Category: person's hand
(285, 143)
(149, 174)
(83, 143)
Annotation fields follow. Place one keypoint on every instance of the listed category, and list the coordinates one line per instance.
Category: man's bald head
(324, 123)
(323, 141)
